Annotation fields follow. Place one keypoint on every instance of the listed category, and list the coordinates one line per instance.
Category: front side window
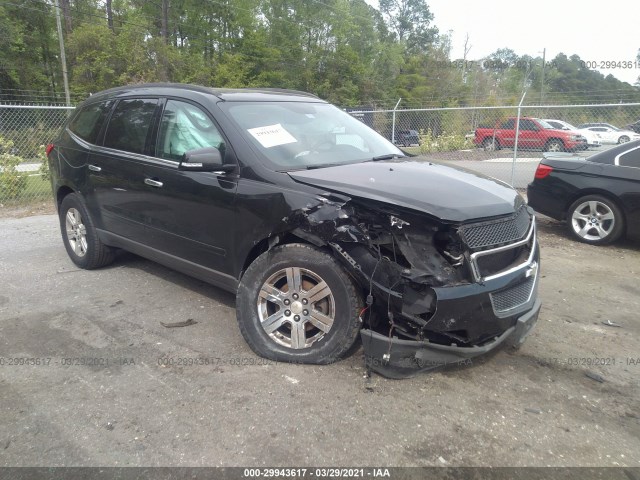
(129, 125)
(528, 125)
(185, 127)
(89, 120)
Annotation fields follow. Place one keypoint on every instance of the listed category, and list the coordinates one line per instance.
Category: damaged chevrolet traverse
(324, 230)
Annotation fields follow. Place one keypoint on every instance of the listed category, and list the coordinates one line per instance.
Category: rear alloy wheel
(596, 220)
(490, 145)
(554, 146)
(79, 235)
(295, 303)
(623, 139)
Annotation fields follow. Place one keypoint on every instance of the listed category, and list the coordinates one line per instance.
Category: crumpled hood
(448, 193)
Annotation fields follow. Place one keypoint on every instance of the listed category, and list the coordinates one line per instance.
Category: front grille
(513, 297)
(499, 232)
(499, 261)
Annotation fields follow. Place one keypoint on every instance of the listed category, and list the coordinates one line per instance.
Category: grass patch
(411, 150)
(36, 189)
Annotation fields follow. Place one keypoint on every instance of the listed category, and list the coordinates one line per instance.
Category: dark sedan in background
(598, 197)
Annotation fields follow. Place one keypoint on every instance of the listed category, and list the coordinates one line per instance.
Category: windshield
(561, 125)
(296, 135)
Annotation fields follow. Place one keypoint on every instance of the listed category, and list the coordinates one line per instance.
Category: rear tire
(79, 235)
(596, 220)
(295, 303)
(490, 145)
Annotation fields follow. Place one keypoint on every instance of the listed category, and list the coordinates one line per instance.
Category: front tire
(596, 220)
(80, 236)
(623, 139)
(295, 303)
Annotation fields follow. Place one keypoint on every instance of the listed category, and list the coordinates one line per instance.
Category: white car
(614, 135)
(593, 138)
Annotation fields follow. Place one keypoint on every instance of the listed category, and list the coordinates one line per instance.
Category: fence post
(393, 122)
(63, 58)
(515, 144)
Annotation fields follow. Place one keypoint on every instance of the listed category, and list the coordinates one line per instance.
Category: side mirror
(204, 160)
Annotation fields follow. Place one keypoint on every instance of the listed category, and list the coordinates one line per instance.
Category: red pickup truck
(534, 133)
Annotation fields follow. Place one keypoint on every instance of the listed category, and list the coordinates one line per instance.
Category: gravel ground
(116, 388)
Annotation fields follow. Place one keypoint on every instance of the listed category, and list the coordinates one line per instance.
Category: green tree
(410, 20)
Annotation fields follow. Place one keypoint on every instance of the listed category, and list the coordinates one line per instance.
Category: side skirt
(224, 281)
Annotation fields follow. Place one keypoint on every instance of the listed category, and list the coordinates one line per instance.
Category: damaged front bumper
(502, 311)
(395, 358)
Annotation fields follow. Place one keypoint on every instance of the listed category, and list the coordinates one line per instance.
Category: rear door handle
(95, 168)
(153, 183)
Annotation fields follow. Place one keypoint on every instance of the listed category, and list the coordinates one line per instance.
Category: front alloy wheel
(595, 219)
(554, 146)
(296, 307)
(295, 303)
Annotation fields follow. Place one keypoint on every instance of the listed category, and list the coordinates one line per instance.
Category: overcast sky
(601, 31)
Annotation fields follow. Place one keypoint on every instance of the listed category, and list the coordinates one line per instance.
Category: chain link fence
(480, 139)
(483, 139)
(25, 132)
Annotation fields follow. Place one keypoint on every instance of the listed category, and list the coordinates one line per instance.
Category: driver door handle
(153, 183)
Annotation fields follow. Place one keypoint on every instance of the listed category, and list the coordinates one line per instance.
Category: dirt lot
(105, 384)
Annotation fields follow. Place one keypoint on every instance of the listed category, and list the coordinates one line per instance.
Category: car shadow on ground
(130, 260)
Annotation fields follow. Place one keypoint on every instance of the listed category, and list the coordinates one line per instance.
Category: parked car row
(593, 139)
(537, 133)
(551, 135)
(533, 133)
(609, 134)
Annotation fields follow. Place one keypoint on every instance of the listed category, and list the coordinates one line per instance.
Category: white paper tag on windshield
(272, 135)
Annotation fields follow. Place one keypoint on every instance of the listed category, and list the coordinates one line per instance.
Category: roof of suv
(225, 94)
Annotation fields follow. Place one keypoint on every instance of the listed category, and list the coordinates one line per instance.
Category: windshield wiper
(323, 165)
(388, 156)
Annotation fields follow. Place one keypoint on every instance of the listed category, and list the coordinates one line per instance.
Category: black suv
(323, 228)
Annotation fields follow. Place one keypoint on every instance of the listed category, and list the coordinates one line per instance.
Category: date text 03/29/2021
(325, 472)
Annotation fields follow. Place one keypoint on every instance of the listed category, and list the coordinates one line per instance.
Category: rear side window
(89, 120)
(185, 127)
(509, 124)
(630, 158)
(129, 125)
